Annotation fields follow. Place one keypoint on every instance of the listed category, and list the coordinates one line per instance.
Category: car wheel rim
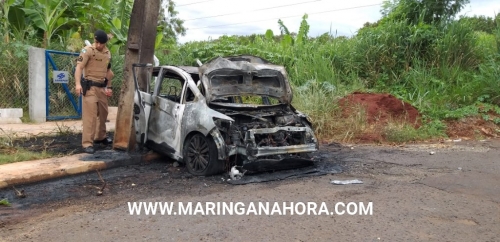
(198, 154)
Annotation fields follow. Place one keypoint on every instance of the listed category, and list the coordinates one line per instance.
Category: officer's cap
(101, 36)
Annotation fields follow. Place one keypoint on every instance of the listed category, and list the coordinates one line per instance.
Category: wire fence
(14, 83)
(63, 102)
(14, 88)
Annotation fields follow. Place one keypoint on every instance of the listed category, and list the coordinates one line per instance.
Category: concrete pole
(140, 49)
(37, 85)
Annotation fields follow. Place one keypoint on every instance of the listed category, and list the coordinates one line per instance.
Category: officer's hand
(109, 92)
(78, 90)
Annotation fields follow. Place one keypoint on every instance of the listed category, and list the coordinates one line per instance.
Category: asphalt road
(428, 192)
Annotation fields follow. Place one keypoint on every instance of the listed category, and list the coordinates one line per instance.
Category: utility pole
(140, 49)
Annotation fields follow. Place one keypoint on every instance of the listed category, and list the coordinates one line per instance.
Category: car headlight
(222, 124)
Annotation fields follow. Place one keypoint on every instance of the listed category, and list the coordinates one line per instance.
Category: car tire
(200, 156)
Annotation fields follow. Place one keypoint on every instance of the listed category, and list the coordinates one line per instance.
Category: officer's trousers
(94, 115)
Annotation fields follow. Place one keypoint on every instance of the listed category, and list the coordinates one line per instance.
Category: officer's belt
(96, 84)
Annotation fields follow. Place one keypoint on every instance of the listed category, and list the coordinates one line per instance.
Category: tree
(47, 16)
(93, 14)
(292, 38)
(74, 20)
(169, 24)
(120, 23)
(483, 23)
(426, 11)
(5, 7)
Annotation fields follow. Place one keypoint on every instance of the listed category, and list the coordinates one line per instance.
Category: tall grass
(319, 101)
(437, 68)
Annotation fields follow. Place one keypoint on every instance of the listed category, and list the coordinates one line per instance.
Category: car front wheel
(200, 156)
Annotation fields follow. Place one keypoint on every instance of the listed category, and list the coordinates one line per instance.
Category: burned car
(229, 112)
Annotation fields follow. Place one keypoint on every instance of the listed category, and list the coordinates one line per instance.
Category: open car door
(165, 128)
(142, 105)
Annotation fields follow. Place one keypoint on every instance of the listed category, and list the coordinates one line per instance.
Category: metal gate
(61, 102)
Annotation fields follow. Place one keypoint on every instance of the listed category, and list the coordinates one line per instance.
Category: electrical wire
(249, 11)
(294, 16)
(193, 3)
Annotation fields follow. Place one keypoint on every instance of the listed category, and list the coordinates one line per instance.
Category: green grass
(402, 133)
(10, 152)
(5, 202)
(11, 155)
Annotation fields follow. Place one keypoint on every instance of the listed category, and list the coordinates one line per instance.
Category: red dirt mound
(380, 108)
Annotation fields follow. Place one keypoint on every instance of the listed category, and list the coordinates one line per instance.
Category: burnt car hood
(244, 75)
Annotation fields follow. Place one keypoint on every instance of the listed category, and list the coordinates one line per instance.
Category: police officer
(95, 63)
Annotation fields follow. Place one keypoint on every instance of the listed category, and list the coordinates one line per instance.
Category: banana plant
(122, 12)
(47, 16)
(19, 29)
(303, 30)
(119, 32)
(6, 6)
(300, 38)
(120, 24)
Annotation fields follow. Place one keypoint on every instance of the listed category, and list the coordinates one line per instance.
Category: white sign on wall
(61, 76)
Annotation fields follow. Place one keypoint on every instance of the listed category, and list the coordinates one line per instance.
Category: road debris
(101, 189)
(319, 168)
(346, 182)
(235, 174)
(19, 194)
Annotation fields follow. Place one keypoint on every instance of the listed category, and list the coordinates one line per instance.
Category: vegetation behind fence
(14, 89)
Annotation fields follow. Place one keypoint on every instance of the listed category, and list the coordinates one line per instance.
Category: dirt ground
(381, 108)
(61, 145)
(426, 192)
